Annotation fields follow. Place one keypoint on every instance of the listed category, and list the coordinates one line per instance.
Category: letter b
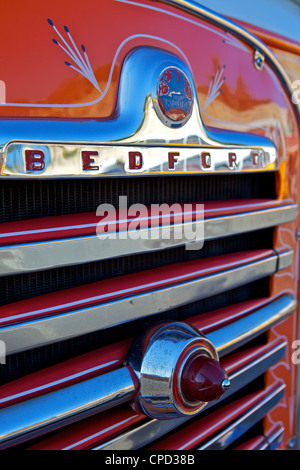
(35, 160)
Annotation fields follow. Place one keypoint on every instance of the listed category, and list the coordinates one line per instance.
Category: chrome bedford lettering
(35, 160)
(88, 160)
(79, 160)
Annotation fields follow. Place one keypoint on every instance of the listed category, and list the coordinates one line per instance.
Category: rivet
(225, 384)
(258, 60)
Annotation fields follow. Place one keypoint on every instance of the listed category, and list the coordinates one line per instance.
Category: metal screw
(292, 444)
(225, 384)
(258, 60)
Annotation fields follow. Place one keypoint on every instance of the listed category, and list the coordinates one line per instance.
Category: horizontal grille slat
(23, 420)
(35, 360)
(28, 285)
(111, 357)
(270, 441)
(225, 339)
(252, 413)
(149, 293)
(41, 255)
(91, 431)
(225, 425)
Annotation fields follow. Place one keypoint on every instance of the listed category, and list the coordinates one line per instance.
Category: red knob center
(203, 379)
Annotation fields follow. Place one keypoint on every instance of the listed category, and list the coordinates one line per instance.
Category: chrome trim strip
(235, 334)
(22, 336)
(22, 258)
(56, 146)
(240, 426)
(285, 260)
(24, 420)
(253, 370)
(221, 21)
(275, 439)
(144, 434)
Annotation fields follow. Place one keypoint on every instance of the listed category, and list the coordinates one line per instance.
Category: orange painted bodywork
(36, 82)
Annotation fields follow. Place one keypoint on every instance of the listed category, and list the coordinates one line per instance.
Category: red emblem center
(174, 93)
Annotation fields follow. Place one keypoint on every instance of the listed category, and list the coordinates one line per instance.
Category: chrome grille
(66, 325)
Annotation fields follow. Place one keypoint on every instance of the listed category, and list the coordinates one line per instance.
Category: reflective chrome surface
(158, 359)
(275, 439)
(225, 339)
(28, 334)
(27, 257)
(285, 260)
(22, 421)
(136, 142)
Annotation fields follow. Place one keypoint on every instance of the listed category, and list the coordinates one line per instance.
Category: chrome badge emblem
(174, 97)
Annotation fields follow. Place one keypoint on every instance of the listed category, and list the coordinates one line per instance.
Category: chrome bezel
(158, 358)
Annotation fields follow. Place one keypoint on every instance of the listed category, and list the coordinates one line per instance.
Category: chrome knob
(178, 371)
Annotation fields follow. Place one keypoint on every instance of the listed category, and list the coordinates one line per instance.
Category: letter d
(135, 160)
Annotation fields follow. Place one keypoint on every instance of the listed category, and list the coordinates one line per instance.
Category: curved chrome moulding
(45, 330)
(22, 258)
(218, 20)
(22, 421)
(136, 142)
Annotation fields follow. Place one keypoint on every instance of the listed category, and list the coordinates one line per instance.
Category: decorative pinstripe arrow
(215, 86)
(80, 59)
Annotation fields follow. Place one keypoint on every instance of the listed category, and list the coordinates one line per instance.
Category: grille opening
(24, 286)
(22, 199)
(24, 363)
